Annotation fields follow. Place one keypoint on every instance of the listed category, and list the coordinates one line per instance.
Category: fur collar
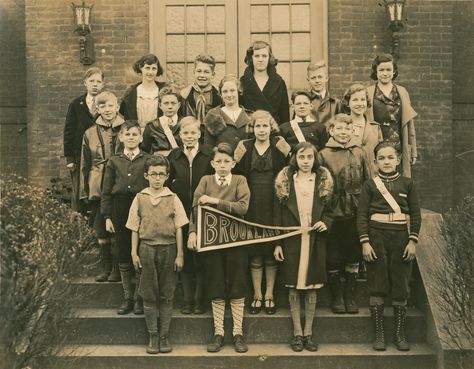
(214, 122)
(325, 189)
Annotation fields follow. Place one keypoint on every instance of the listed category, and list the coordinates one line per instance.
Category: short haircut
(206, 59)
(91, 71)
(340, 118)
(147, 59)
(105, 96)
(230, 78)
(299, 147)
(356, 87)
(383, 145)
(317, 65)
(383, 58)
(129, 124)
(157, 160)
(188, 121)
(300, 93)
(262, 114)
(257, 45)
(223, 148)
(167, 91)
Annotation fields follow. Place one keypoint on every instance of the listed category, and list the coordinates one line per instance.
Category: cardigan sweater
(128, 106)
(78, 120)
(371, 201)
(408, 138)
(122, 177)
(273, 98)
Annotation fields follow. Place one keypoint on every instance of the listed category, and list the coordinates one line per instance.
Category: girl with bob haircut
(140, 101)
(367, 133)
(260, 159)
(302, 191)
(263, 88)
(390, 106)
(227, 122)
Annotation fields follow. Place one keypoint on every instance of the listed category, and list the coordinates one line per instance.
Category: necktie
(222, 181)
(170, 122)
(93, 108)
(303, 120)
(130, 155)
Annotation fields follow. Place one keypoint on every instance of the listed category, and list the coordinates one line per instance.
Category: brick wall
(120, 30)
(463, 100)
(13, 151)
(357, 31)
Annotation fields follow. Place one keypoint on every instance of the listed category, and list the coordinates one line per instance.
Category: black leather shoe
(239, 344)
(186, 309)
(255, 306)
(138, 307)
(199, 310)
(165, 346)
(270, 307)
(153, 345)
(309, 344)
(297, 344)
(216, 343)
(126, 307)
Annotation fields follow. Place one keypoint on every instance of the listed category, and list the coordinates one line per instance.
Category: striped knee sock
(218, 308)
(295, 310)
(237, 307)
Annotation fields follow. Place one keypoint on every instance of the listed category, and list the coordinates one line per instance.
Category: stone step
(109, 295)
(104, 326)
(259, 356)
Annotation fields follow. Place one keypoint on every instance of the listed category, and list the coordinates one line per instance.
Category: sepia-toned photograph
(237, 184)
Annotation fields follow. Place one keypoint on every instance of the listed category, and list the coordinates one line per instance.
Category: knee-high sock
(295, 309)
(218, 308)
(126, 274)
(151, 316)
(257, 282)
(309, 310)
(237, 308)
(270, 276)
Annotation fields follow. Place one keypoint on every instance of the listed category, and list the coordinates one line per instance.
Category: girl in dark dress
(263, 88)
(259, 160)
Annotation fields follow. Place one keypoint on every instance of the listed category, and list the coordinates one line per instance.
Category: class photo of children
(324, 147)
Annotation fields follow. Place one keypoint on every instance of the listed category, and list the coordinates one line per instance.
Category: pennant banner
(219, 230)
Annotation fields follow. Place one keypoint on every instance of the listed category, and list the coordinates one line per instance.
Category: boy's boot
(105, 261)
(376, 313)
(399, 339)
(335, 286)
(153, 344)
(114, 275)
(126, 274)
(349, 293)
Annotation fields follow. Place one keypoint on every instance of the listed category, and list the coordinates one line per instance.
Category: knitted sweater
(371, 201)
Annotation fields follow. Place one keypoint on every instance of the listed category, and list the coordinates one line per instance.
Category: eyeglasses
(157, 175)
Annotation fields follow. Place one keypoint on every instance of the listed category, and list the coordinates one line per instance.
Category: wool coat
(78, 120)
(154, 137)
(220, 128)
(408, 139)
(273, 98)
(286, 214)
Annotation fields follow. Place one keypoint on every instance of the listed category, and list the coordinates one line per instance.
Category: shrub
(43, 245)
(455, 279)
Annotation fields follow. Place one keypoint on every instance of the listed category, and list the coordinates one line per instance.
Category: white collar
(228, 178)
(133, 153)
(308, 119)
(164, 192)
(165, 120)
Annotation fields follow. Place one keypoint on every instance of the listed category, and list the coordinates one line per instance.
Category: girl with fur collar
(260, 159)
(302, 192)
(227, 123)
